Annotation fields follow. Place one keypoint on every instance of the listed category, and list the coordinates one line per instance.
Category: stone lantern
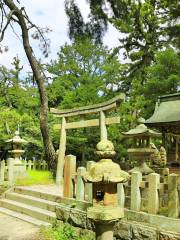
(16, 152)
(141, 149)
(104, 176)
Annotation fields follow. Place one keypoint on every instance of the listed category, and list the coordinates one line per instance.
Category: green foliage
(29, 129)
(163, 77)
(145, 26)
(19, 102)
(64, 232)
(35, 177)
(85, 73)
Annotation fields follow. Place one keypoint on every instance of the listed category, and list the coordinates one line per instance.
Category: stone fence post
(80, 191)
(69, 172)
(10, 173)
(25, 164)
(120, 195)
(153, 196)
(136, 179)
(88, 186)
(30, 164)
(34, 165)
(173, 198)
(44, 165)
(2, 170)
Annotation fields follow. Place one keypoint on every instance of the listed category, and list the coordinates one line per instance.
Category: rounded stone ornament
(105, 149)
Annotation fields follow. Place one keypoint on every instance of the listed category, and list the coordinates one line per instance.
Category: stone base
(104, 230)
(143, 168)
(19, 171)
(107, 213)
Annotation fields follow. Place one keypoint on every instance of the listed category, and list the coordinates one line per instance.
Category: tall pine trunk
(39, 78)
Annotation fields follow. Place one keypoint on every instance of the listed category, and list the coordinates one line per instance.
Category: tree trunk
(49, 149)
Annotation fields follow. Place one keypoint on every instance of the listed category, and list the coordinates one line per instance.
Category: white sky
(48, 13)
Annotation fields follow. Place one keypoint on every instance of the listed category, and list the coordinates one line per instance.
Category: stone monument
(16, 152)
(104, 176)
(141, 149)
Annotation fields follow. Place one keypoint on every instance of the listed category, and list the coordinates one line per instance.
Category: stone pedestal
(104, 218)
(19, 169)
(104, 230)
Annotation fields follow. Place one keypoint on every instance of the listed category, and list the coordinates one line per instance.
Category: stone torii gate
(100, 109)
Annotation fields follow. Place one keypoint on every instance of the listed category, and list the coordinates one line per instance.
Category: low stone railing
(6, 168)
(36, 165)
(151, 194)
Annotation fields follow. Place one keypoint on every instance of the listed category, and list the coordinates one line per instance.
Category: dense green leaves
(19, 102)
(84, 73)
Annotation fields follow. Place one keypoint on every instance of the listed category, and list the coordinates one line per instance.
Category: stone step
(33, 201)
(52, 197)
(32, 211)
(23, 217)
(37, 194)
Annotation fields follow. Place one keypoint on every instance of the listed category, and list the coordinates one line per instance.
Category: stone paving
(14, 229)
(51, 189)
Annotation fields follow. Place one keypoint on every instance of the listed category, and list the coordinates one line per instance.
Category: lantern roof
(106, 171)
(16, 139)
(141, 130)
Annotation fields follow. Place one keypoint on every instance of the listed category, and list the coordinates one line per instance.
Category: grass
(35, 177)
(60, 231)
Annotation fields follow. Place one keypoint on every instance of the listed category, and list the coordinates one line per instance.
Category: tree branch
(7, 24)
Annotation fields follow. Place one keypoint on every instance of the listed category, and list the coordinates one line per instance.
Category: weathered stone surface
(69, 172)
(156, 221)
(122, 230)
(62, 212)
(173, 198)
(74, 216)
(78, 218)
(108, 213)
(140, 232)
(168, 236)
(153, 197)
(136, 179)
(80, 191)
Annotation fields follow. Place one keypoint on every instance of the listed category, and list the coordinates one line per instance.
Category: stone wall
(131, 230)
(145, 226)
